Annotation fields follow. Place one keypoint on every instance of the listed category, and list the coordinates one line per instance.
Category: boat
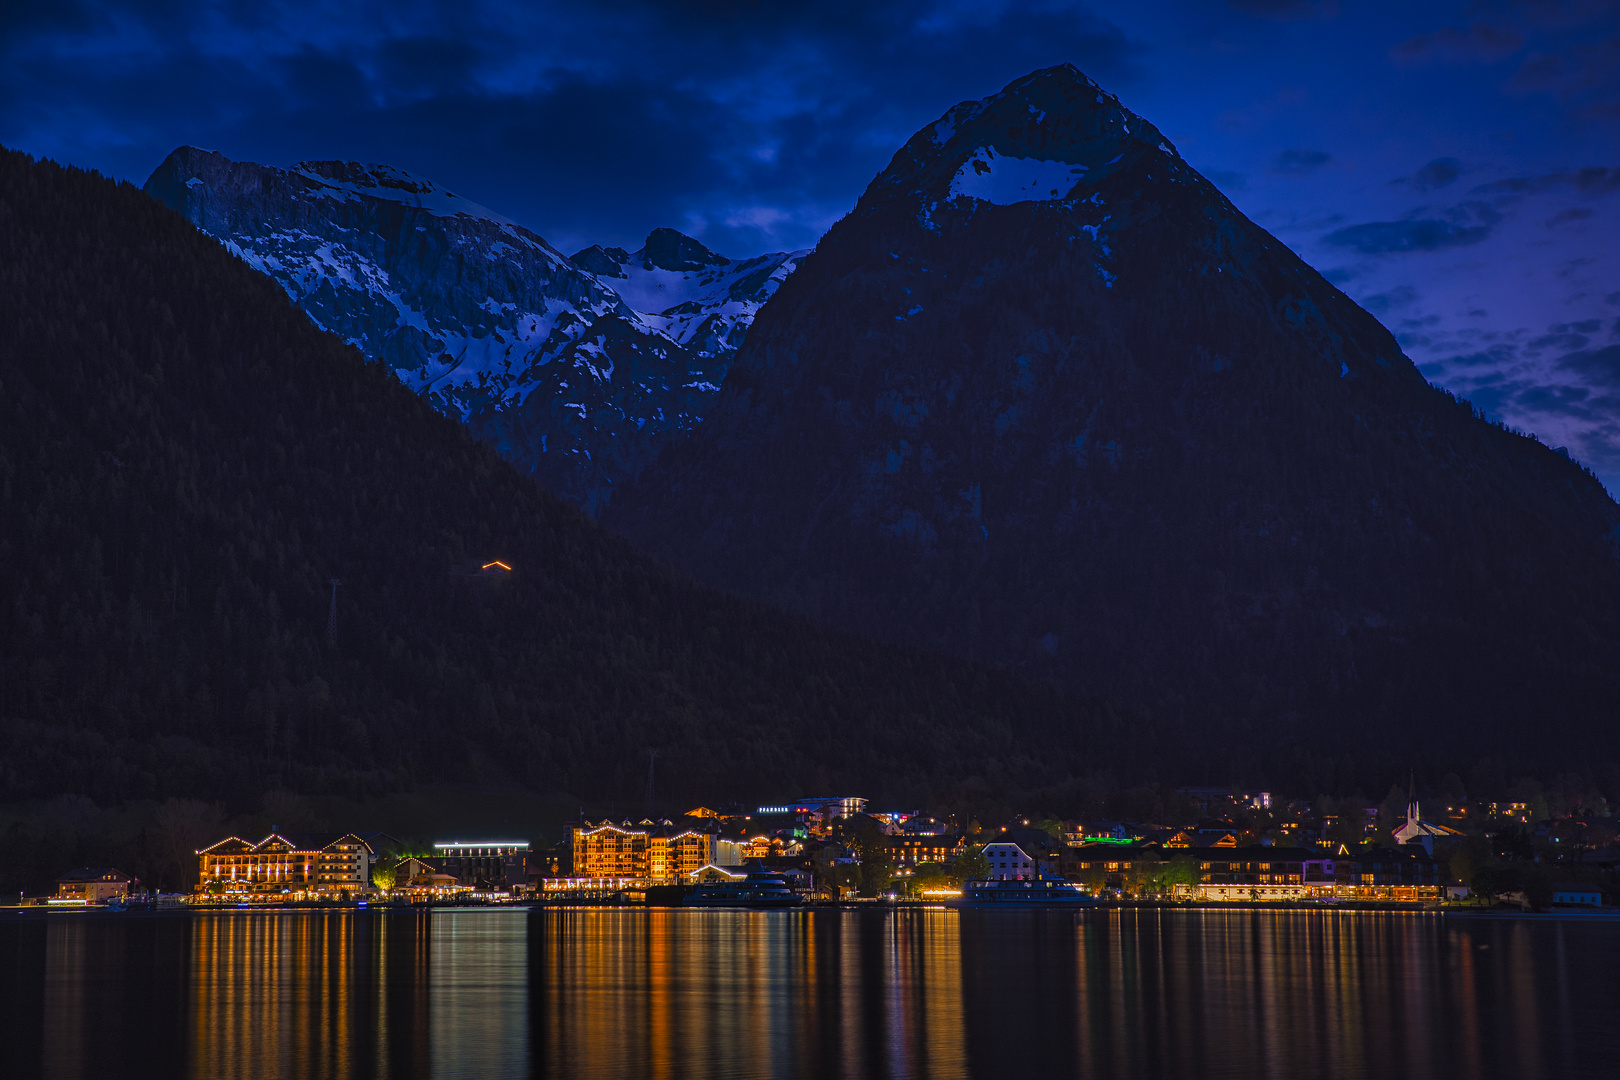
(758, 889)
(1043, 891)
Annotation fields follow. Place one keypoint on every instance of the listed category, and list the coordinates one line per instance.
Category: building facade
(1260, 873)
(911, 849)
(279, 867)
(1023, 855)
(657, 851)
(272, 866)
(1255, 873)
(93, 885)
(489, 865)
(343, 865)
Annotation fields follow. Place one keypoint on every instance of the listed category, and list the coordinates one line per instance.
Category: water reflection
(615, 993)
(660, 994)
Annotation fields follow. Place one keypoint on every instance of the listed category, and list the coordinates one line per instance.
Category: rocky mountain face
(577, 370)
(1046, 397)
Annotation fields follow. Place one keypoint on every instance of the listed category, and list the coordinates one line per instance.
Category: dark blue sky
(1454, 166)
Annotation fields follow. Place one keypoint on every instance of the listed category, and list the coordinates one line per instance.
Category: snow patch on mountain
(1006, 181)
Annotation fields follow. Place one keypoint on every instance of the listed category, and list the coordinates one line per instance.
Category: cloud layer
(755, 124)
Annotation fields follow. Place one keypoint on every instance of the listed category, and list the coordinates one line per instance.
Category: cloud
(1299, 162)
(1573, 72)
(1392, 237)
(1561, 399)
(1399, 296)
(1286, 10)
(1574, 213)
(1479, 42)
(1496, 356)
(1597, 365)
(1436, 174)
(1591, 182)
(1562, 336)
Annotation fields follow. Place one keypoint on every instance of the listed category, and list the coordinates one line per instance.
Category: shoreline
(33, 912)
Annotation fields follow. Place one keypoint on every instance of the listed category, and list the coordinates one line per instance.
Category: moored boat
(758, 889)
(1041, 890)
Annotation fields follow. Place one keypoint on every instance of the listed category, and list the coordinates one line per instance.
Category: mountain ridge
(549, 363)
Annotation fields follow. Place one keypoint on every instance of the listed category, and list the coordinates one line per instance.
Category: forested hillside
(185, 465)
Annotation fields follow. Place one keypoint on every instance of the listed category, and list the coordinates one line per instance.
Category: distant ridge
(576, 370)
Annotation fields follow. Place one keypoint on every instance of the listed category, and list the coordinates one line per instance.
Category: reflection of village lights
(496, 563)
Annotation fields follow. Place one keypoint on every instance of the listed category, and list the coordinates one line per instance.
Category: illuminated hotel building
(276, 865)
(344, 865)
(650, 851)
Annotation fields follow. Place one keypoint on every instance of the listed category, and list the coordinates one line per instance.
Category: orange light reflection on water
(669, 994)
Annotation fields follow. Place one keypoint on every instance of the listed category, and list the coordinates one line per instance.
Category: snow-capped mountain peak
(577, 369)
(1051, 136)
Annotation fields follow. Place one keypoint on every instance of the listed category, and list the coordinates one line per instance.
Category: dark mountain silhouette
(1046, 397)
(185, 465)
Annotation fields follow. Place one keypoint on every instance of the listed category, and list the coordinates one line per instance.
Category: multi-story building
(343, 864)
(1261, 873)
(93, 885)
(910, 849)
(277, 866)
(1256, 873)
(274, 865)
(1022, 855)
(649, 851)
(484, 864)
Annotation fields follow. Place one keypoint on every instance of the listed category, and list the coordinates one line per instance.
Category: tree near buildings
(971, 865)
(384, 871)
(183, 827)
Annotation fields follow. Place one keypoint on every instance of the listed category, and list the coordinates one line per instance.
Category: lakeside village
(1243, 849)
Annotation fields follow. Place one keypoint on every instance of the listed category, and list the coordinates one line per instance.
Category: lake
(621, 992)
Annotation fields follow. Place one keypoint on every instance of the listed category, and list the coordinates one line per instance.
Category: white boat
(760, 889)
(1041, 891)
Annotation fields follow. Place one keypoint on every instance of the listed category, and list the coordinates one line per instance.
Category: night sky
(1454, 166)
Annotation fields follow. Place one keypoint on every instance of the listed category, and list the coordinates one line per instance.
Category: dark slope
(1121, 435)
(184, 463)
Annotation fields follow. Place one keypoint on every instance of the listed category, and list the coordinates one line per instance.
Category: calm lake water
(920, 993)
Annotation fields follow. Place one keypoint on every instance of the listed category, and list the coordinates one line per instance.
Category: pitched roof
(1030, 841)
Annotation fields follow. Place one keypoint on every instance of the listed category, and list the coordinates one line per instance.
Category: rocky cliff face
(577, 370)
(1046, 397)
